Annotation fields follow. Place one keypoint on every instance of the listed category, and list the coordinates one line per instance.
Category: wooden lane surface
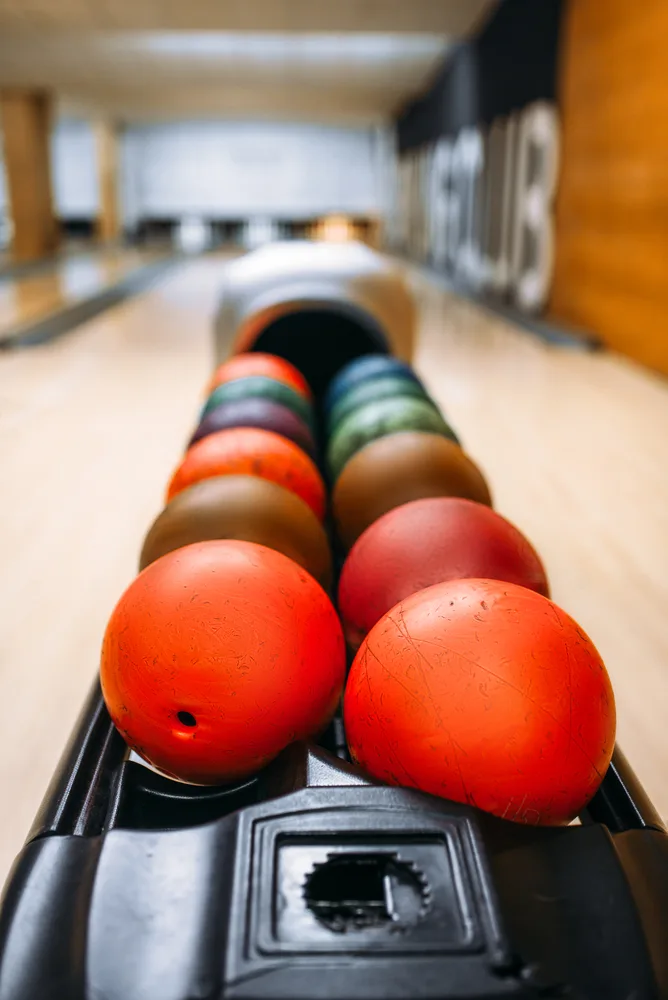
(92, 425)
(30, 298)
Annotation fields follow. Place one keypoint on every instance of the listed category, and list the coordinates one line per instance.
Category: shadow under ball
(256, 412)
(396, 469)
(243, 508)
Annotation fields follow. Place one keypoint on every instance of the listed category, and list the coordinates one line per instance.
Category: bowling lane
(32, 297)
(91, 426)
(574, 447)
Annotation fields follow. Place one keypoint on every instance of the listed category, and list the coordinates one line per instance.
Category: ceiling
(449, 17)
(339, 60)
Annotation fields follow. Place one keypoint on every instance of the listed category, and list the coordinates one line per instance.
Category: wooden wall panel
(26, 130)
(611, 269)
(108, 222)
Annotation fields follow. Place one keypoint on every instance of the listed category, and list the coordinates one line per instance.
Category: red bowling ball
(486, 693)
(426, 542)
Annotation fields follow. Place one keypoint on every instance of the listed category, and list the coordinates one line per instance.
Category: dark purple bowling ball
(266, 414)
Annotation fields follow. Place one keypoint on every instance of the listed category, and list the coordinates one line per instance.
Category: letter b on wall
(536, 181)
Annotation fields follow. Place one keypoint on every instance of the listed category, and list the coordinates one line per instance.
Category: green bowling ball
(391, 386)
(259, 387)
(379, 418)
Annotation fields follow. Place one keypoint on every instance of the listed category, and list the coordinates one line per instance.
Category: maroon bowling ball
(266, 414)
(425, 542)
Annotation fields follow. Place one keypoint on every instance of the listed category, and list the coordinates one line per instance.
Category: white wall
(74, 171)
(226, 169)
(74, 166)
(386, 167)
(236, 169)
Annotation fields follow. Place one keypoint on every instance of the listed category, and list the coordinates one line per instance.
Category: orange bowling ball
(269, 365)
(486, 693)
(250, 451)
(218, 656)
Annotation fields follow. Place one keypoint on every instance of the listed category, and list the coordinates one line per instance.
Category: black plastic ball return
(309, 882)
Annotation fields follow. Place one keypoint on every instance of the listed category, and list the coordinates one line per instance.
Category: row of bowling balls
(372, 397)
(468, 682)
(249, 471)
(436, 522)
(223, 650)
(387, 444)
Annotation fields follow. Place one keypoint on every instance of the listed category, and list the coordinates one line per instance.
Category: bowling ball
(217, 657)
(391, 386)
(269, 365)
(396, 469)
(425, 542)
(248, 451)
(259, 387)
(486, 693)
(257, 412)
(375, 420)
(245, 508)
(360, 370)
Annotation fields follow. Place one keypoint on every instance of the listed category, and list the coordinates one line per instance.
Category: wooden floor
(575, 447)
(32, 297)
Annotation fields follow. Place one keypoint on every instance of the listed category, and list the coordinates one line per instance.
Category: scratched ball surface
(219, 655)
(485, 693)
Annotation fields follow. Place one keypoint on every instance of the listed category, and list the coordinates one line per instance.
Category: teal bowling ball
(378, 419)
(259, 387)
(385, 387)
(366, 367)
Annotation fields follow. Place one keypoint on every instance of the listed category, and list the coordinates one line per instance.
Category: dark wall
(512, 62)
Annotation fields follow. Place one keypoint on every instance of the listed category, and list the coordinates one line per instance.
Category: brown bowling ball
(396, 469)
(244, 508)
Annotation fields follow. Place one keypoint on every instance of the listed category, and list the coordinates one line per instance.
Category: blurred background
(513, 157)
